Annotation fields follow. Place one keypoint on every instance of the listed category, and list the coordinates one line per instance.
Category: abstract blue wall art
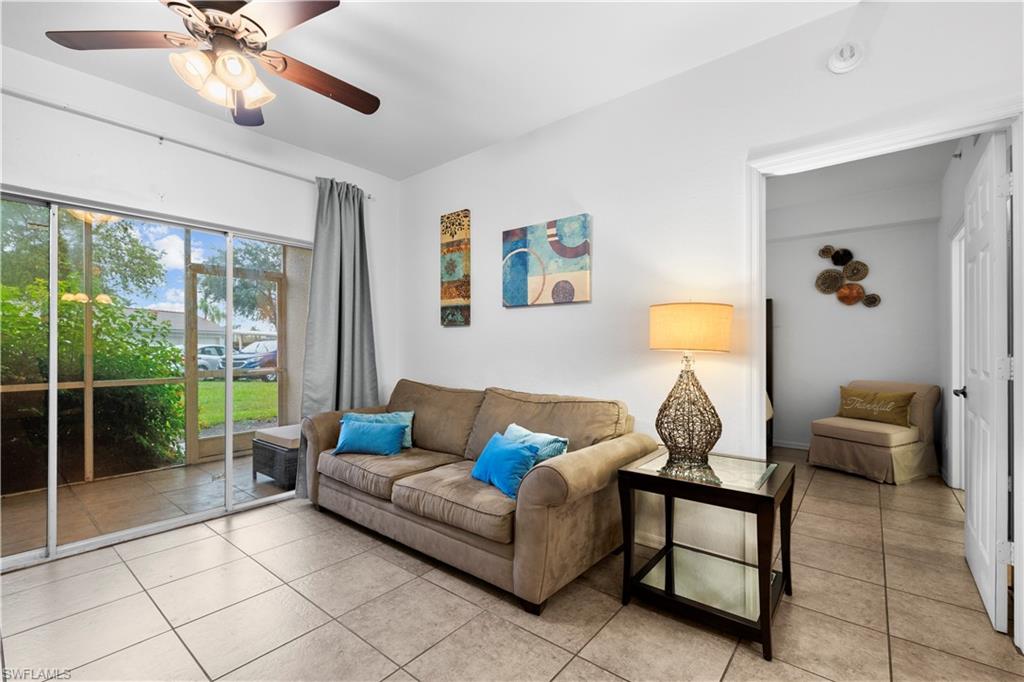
(547, 263)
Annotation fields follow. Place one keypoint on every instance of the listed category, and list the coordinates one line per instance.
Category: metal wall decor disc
(826, 251)
(872, 300)
(855, 270)
(841, 257)
(850, 293)
(829, 281)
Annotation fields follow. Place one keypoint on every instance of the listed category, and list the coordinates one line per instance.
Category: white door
(985, 403)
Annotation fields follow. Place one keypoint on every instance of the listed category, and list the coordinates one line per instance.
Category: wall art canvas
(547, 263)
(455, 282)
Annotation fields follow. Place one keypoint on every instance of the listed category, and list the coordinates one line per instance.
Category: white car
(210, 357)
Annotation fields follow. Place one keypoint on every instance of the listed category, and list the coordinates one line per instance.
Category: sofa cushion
(449, 494)
(376, 475)
(584, 421)
(863, 431)
(287, 437)
(444, 416)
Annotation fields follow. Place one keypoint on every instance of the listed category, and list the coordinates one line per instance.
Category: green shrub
(135, 427)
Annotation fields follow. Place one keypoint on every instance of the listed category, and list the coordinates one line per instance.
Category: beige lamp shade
(691, 326)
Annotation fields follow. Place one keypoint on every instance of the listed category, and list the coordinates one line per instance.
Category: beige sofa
(566, 516)
(882, 452)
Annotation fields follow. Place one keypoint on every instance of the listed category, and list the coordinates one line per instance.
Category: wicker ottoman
(275, 453)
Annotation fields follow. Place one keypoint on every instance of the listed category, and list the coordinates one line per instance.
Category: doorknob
(960, 392)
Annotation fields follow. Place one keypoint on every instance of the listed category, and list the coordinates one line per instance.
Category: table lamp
(687, 421)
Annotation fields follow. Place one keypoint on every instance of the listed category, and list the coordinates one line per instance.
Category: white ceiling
(452, 77)
(917, 166)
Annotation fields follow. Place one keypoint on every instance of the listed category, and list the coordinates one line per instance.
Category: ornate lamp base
(689, 426)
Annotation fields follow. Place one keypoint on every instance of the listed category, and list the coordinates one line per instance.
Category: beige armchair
(882, 452)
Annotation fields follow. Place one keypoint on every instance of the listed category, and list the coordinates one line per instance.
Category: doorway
(868, 146)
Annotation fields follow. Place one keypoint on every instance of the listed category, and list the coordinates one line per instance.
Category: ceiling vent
(846, 58)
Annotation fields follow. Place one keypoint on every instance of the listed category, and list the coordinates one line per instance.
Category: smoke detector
(846, 58)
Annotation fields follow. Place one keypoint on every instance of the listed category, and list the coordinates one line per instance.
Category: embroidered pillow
(876, 406)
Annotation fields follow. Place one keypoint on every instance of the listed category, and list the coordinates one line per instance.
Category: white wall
(898, 204)
(662, 172)
(50, 150)
(821, 344)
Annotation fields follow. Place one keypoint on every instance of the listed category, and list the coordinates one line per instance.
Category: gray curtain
(340, 371)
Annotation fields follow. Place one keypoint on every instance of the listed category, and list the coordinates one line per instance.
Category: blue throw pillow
(385, 418)
(504, 463)
(548, 446)
(370, 439)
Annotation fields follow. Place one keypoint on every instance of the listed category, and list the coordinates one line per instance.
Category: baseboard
(789, 444)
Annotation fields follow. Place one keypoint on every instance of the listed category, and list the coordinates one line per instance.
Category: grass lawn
(254, 401)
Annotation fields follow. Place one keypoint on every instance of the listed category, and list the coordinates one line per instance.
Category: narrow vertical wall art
(455, 284)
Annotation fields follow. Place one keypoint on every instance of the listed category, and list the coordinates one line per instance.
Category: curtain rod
(162, 138)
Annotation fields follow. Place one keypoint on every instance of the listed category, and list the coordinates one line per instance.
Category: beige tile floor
(86, 510)
(285, 592)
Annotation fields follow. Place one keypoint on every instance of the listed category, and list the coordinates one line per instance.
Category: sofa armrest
(568, 515)
(565, 478)
(320, 432)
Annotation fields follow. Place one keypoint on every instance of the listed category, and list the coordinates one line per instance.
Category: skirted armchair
(886, 453)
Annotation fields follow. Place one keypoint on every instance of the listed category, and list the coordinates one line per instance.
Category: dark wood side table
(725, 593)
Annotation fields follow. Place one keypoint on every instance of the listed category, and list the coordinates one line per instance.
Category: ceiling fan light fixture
(193, 67)
(257, 94)
(216, 91)
(234, 70)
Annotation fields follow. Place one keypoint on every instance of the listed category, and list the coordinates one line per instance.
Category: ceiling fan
(223, 36)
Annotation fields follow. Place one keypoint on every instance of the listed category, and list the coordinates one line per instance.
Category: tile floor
(86, 510)
(284, 592)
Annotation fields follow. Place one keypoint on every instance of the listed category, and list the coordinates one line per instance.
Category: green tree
(24, 242)
(255, 299)
(136, 427)
(122, 263)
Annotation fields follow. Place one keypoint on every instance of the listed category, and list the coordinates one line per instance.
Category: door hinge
(1004, 552)
(1004, 188)
(1005, 369)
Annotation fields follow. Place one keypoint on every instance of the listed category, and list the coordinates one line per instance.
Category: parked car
(258, 355)
(211, 357)
(208, 358)
(262, 361)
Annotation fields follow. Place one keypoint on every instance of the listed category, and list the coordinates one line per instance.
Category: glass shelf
(735, 472)
(714, 581)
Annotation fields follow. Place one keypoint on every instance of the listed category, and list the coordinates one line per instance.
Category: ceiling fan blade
(316, 80)
(274, 17)
(121, 40)
(246, 117)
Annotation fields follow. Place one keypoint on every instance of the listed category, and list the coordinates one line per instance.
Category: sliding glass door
(24, 310)
(142, 379)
